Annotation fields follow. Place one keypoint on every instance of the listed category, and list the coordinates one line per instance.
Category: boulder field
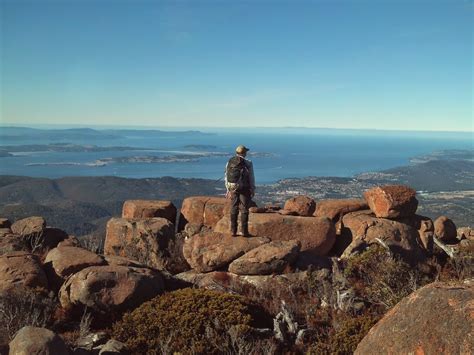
(288, 245)
(386, 215)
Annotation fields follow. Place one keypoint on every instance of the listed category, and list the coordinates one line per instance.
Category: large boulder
(36, 234)
(110, 289)
(316, 235)
(21, 269)
(149, 209)
(392, 201)
(436, 319)
(401, 238)
(301, 205)
(144, 240)
(67, 260)
(202, 210)
(210, 251)
(335, 209)
(29, 226)
(33, 340)
(267, 259)
(445, 229)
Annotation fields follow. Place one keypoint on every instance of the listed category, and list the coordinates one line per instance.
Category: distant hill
(11, 134)
(81, 205)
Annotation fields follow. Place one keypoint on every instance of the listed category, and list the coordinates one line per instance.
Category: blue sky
(343, 64)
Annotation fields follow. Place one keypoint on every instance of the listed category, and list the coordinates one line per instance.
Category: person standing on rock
(240, 184)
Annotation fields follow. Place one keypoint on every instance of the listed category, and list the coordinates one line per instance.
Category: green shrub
(22, 307)
(179, 321)
(346, 333)
(381, 278)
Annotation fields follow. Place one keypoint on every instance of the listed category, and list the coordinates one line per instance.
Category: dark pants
(240, 200)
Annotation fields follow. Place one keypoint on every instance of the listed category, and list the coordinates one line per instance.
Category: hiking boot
(233, 224)
(244, 219)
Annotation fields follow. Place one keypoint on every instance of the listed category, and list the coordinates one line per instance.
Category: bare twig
(444, 247)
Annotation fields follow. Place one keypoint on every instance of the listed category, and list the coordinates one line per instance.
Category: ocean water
(292, 153)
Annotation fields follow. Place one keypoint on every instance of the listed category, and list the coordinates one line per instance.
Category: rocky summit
(332, 276)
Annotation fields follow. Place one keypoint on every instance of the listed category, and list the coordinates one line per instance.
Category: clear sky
(344, 64)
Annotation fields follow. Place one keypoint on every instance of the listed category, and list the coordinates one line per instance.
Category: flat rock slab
(67, 260)
(436, 319)
(111, 288)
(21, 269)
(210, 251)
(334, 209)
(267, 259)
(392, 201)
(143, 240)
(149, 209)
(34, 340)
(316, 235)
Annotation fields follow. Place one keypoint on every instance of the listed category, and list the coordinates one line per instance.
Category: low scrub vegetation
(23, 307)
(189, 321)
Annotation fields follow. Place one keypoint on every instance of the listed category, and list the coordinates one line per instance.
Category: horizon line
(105, 126)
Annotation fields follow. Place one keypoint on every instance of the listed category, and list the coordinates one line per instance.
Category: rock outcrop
(392, 201)
(202, 210)
(21, 269)
(110, 289)
(316, 235)
(34, 340)
(436, 319)
(401, 238)
(445, 230)
(301, 205)
(211, 251)
(149, 209)
(143, 240)
(267, 259)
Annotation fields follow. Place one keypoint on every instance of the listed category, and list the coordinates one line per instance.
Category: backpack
(238, 173)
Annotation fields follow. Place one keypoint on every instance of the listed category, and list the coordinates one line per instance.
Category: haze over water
(293, 153)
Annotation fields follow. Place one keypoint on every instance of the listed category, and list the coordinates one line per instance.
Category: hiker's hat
(241, 149)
